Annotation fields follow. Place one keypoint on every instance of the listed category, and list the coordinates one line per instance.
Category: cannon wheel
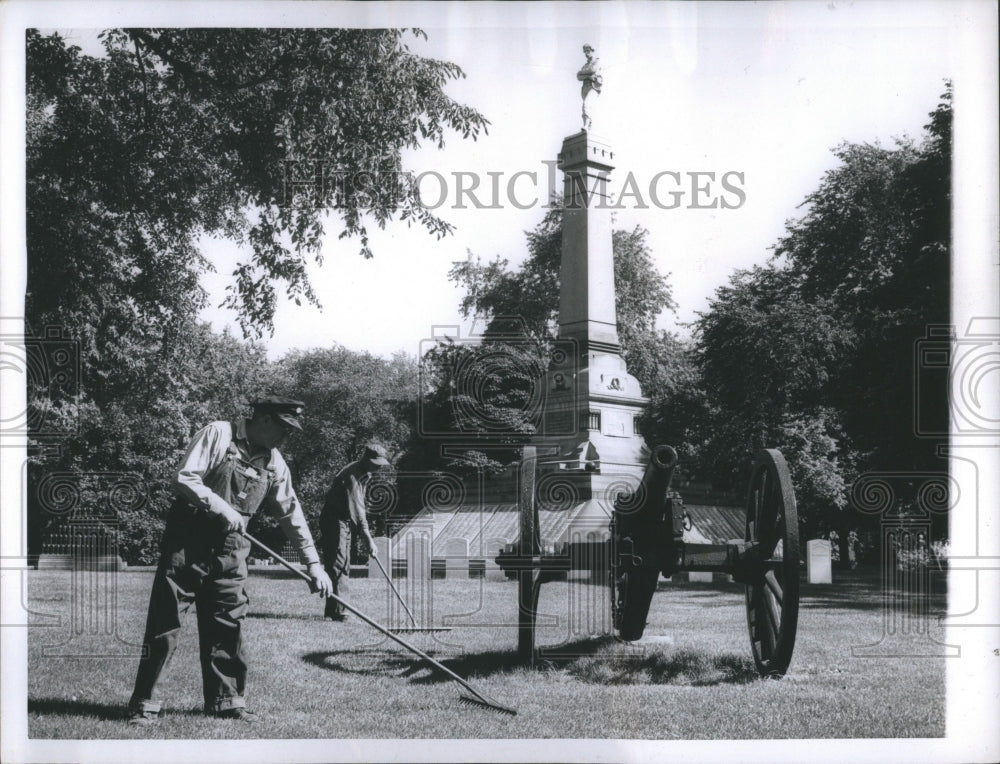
(772, 596)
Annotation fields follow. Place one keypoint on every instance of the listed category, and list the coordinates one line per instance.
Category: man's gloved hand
(320, 580)
(371, 545)
(232, 520)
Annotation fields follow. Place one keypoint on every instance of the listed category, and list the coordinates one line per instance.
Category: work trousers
(204, 567)
(336, 562)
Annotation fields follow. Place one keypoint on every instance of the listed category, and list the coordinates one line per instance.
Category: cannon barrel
(643, 543)
(648, 501)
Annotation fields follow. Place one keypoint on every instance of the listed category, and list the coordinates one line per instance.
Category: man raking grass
(230, 470)
(345, 513)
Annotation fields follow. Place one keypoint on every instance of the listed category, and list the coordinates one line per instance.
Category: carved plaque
(617, 424)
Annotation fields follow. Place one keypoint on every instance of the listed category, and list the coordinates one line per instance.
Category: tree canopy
(276, 138)
(814, 351)
(254, 135)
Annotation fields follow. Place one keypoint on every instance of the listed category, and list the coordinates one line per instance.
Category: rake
(405, 607)
(476, 698)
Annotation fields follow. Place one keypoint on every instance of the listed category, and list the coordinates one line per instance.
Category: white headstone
(493, 548)
(456, 554)
(818, 566)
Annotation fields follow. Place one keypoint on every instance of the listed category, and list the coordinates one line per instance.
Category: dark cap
(284, 409)
(375, 454)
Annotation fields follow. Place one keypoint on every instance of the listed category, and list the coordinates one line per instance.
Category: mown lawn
(693, 678)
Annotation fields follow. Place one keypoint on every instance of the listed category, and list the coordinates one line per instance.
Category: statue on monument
(592, 80)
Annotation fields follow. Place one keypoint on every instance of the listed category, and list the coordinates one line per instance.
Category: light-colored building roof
(488, 526)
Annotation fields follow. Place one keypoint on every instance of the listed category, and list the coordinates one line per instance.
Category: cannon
(647, 540)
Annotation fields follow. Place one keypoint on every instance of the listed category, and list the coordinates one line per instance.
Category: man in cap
(344, 512)
(230, 470)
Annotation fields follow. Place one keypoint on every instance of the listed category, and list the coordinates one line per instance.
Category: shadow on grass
(867, 592)
(407, 665)
(557, 655)
(603, 660)
(701, 589)
(287, 616)
(101, 711)
(860, 590)
(711, 598)
(606, 660)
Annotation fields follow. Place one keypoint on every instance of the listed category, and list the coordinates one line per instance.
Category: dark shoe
(338, 617)
(237, 714)
(144, 718)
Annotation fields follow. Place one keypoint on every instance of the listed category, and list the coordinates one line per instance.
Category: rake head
(485, 702)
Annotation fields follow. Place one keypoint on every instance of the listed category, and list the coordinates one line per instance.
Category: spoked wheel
(772, 594)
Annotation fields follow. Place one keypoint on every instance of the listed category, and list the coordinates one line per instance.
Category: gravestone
(456, 558)
(818, 564)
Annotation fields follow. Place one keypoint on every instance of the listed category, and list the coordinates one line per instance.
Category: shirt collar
(249, 448)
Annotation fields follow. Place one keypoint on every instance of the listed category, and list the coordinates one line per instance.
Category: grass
(311, 678)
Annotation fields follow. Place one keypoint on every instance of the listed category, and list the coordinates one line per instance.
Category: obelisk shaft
(587, 293)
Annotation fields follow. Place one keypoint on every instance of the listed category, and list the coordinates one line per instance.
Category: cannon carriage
(646, 541)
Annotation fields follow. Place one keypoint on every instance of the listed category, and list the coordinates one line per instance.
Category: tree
(480, 396)
(679, 412)
(815, 352)
(254, 135)
(144, 435)
(180, 133)
(530, 294)
(875, 244)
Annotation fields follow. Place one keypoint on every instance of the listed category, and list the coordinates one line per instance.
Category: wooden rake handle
(394, 589)
(482, 699)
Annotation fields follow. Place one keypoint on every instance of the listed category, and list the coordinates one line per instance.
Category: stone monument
(592, 401)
